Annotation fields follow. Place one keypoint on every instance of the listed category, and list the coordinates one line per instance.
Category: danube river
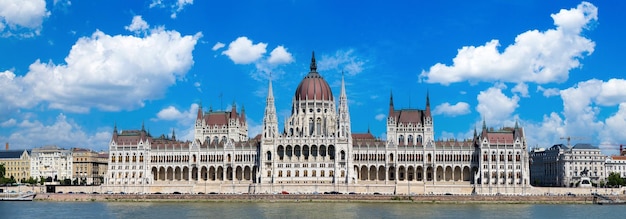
(327, 210)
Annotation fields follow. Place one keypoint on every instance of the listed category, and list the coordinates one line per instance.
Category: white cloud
(218, 45)
(521, 89)
(380, 117)
(107, 72)
(243, 51)
(179, 5)
(22, 17)
(170, 113)
(546, 133)
(540, 57)
(615, 125)
(138, 25)
(8, 123)
(280, 56)
(63, 132)
(342, 60)
(549, 92)
(582, 105)
(494, 106)
(176, 6)
(460, 108)
(13, 94)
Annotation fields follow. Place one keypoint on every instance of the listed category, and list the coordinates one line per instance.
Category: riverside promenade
(505, 199)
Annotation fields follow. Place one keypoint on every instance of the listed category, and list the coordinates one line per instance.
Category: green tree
(615, 180)
(3, 171)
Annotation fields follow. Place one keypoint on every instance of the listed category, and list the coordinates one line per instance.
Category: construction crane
(621, 147)
(569, 138)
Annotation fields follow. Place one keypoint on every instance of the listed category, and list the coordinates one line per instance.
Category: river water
(180, 210)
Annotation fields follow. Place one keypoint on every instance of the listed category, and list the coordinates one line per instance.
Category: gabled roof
(558, 146)
(584, 146)
(363, 136)
(12, 154)
(408, 115)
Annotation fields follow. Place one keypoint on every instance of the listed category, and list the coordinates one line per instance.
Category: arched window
(289, 151)
(401, 140)
(318, 126)
(281, 152)
(314, 151)
(269, 155)
(331, 152)
(410, 138)
(343, 155)
(310, 126)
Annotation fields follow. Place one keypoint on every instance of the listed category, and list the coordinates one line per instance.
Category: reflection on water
(137, 210)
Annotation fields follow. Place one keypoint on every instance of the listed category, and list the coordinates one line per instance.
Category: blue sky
(70, 70)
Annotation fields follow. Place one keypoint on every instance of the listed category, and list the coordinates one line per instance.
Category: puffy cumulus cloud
(582, 104)
(22, 17)
(138, 25)
(176, 6)
(280, 56)
(342, 60)
(549, 92)
(447, 109)
(380, 117)
(615, 125)
(13, 93)
(493, 105)
(171, 113)
(545, 133)
(8, 123)
(540, 57)
(243, 51)
(112, 73)
(521, 89)
(217, 46)
(63, 132)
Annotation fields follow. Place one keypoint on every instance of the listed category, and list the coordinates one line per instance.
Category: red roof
(412, 116)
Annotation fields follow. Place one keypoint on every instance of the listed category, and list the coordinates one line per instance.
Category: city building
(16, 163)
(564, 166)
(316, 151)
(52, 163)
(88, 166)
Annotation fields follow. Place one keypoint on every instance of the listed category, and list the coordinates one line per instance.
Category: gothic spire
(313, 64)
(391, 103)
(427, 103)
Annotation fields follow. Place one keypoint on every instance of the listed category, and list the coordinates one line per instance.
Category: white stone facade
(51, 161)
(317, 151)
(564, 166)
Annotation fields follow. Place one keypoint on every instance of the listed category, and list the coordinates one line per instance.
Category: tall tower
(270, 120)
(344, 144)
(270, 134)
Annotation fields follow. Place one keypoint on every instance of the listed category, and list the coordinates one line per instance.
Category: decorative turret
(233, 112)
(391, 109)
(270, 121)
(427, 104)
(344, 114)
(243, 113)
(313, 64)
(199, 117)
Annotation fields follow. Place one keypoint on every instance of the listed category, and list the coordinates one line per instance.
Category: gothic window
(281, 152)
(269, 155)
(311, 126)
(410, 139)
(401, 140)
(318, 126)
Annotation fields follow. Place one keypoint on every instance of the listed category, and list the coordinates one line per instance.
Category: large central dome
(313, 86)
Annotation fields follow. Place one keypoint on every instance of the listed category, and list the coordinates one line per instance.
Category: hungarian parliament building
(317, 152)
